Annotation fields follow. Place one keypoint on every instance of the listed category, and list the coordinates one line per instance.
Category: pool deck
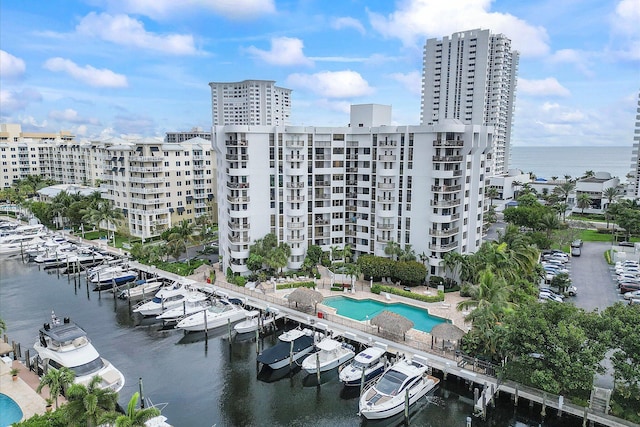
(23, 390)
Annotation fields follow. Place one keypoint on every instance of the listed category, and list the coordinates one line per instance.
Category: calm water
(210, 382)
(546, 162)
(368, 309)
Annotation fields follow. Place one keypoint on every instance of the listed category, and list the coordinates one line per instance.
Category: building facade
(364, 185)
(471, 76)
(185, 136)
(633, 189)
(250, 102)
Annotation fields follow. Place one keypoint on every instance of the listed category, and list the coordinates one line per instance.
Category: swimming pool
(10, 412)
(367, 308)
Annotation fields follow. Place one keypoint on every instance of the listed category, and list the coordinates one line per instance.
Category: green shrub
(466, 290)
(413, 295)
(376, 289)
(292, 285)
(435, 281)
(608, 256)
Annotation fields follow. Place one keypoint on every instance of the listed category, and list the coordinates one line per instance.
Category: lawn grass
(594, 236)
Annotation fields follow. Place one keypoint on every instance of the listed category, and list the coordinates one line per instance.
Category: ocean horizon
(546, 162)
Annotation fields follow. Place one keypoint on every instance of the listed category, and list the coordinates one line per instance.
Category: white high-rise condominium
(250, 102)
(633, 190)
(471, 77)
(365, 185)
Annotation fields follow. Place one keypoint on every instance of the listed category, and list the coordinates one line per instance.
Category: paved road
(593, 277)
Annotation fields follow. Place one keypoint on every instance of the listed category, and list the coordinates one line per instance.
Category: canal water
(214, 382)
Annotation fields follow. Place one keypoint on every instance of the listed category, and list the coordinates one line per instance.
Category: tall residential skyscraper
(633, 190)
(250, 102)
(471, 77)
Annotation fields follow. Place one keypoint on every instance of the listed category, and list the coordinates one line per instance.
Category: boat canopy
(65, 332)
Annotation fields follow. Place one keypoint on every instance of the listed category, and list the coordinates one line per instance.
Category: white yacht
(253, 321)
(293, 345)
(165, 298)
(17, 243)
(331, 354)
(65, 344)
(193, 303)
(141, 291)
(220, 313)
(370, 362)
(406, 380)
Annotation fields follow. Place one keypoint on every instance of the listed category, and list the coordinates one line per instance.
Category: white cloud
(70, 115)
(134, 124)
(12, 101)
(545, 87)
(415, 20)
(10, 66)
(347, 22)
(167, 9)
(126, 31)
(32, 122)
(580, 59)
(332, 84)
(284, 51)
(627, 17)
(411, 80)
(87, 74)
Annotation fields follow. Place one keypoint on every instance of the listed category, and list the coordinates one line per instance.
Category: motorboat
(65, 344)
(141, 290)
(331, 354)
(254, 321)
(406, 381)
(220, 313)
(294, 345)
(18, 243)
(369, 363)
(166, 298)
(193, 303)
(112, 277)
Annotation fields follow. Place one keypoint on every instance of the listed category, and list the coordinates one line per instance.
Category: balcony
(443, 248)
(239, 239)
(294, 143)
(145, 169)
(447, 159)
(446, 203)
(387, 143)
(444, 233)
(146, 158)
(240, 199)
(295, 184)
(445, 188)
(384, 226)
(200, 205)
(146, 190)
(237, 157)
(295, 199)
(296, 158)
(352, 182)
(382, 199)
(446, 173)
(237, 184)
(384, 239)
(352, 170)
(450, 143)
(139, 180)
(321, 183)
(321, 222)
(349, 233)
(199, 166)
(295, 239)
(352, 195)
(386, 186)
(238, 225)
(235, 143)
(295, 225)
(148, 201)
(351, 208)
(325, 196)
(386, 158)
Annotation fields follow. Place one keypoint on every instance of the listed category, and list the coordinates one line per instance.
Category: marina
(178, 366)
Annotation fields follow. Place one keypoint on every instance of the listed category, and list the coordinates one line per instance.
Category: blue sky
(120, 67)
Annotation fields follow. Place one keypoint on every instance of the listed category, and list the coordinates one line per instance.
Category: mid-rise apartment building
(633, 189)
(364, 185)
(155, 184)
(471, 76)
(250, 102)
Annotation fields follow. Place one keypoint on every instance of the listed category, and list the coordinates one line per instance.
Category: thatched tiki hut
(446, 332)
(305, 297)
(392, 323)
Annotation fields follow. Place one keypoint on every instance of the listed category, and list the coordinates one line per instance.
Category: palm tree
(489, 302)
(516, 188)
(492, 193)
(451, 261)
(554, 178)
(584, 201)
(612, 194)
(589, 174)
(392, 249)
(407, 254)
(347, 253)
(353, 271)
(564, 190)
(549, 222)
(567, 178)
(136, 417)
(104, 212)
(88, 405)
(57, 380)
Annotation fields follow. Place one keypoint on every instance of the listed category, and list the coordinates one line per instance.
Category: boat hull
(397, 405)
(310, 367)
(280, 355)
(354, 379)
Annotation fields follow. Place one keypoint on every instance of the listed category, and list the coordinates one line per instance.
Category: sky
(102, 68)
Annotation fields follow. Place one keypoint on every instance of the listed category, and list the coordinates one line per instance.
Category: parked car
(572, 291)
(550, 291)
(629, 287)
(576, 243)
(545, 296)
(575, 251)
(631, 295)
(628, 244)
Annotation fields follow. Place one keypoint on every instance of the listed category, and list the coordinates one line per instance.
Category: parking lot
(594, 278)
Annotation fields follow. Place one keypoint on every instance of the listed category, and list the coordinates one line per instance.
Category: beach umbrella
(392, 323)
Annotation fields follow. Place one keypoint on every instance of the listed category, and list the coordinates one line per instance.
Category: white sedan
(631, 295)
